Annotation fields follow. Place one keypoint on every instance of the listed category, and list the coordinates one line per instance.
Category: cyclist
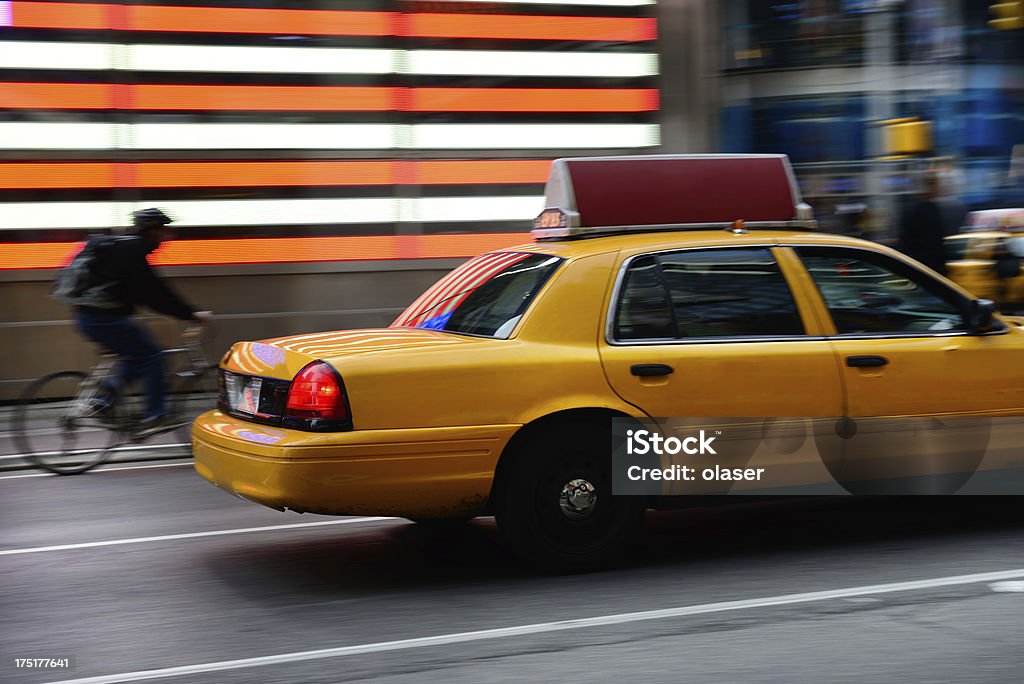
(123, 262)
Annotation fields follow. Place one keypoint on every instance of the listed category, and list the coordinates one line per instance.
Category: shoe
(147, 427)
(152, 422)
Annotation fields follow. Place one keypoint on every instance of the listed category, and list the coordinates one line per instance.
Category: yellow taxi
(986, 258)
(655, 286)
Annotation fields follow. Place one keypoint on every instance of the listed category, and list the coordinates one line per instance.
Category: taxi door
(903, 343)
(716, 332)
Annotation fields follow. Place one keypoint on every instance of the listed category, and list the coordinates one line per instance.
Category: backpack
(78, 283)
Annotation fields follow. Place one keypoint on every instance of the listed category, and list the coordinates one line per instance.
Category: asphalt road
(358, 599)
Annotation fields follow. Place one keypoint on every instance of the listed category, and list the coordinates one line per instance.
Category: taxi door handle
(866, 361)
(645, 370)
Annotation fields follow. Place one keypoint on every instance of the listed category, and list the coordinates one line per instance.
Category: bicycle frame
(57, 446)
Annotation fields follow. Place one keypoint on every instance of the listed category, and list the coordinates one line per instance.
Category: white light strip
(533, 136)
(26, 135)
(18, 54)
(309, 60)
(19, 135)
(200, 213)
(437, 209)
(203, 136)
(314, 60)
(532, 63)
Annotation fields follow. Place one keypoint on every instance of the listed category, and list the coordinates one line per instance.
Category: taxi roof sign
(604, 195)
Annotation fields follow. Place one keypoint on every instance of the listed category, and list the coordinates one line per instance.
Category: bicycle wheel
(195, 393)
(51, 436)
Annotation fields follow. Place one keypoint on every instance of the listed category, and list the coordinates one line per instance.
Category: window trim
(916, 334)
(609, 328)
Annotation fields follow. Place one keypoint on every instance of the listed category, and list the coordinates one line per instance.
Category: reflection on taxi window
(643, 312)
(486, 296)
(872, 293)
(706, 294)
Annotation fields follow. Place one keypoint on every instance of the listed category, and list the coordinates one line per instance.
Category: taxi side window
(642, 312)
(713, 293)
(867, 292)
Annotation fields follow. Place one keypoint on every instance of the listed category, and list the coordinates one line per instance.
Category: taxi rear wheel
(556, 507)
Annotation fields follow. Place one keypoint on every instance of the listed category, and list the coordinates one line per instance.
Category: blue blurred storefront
(812, 78)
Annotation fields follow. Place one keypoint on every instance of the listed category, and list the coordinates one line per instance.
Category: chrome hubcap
(577, 499)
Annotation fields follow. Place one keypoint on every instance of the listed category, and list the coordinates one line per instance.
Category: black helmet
(151, 218)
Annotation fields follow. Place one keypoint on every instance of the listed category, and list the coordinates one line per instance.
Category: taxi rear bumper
(418, 473)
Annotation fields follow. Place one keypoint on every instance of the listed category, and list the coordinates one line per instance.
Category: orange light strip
(53, 175)
(500, 26)
(262, 174)
(261, 98)
(276, 21)
(474, 172)
(24, 256)
(65, 15)
(323, 98)
(61, 15)
(533, 100)
(23, 175)
(56, 96)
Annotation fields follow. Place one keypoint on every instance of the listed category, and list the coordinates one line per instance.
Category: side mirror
(979, 315)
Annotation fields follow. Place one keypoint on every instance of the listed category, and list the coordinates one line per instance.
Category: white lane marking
(100, 469)
(1016, 587)
(141, 447)
(187, 535)
(600, 621)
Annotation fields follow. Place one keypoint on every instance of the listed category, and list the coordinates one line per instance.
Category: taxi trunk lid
(282, 358)
(256, 378)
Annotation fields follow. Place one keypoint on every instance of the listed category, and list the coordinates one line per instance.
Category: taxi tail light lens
(317, 400)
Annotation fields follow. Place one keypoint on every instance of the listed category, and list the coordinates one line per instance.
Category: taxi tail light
(317, 400)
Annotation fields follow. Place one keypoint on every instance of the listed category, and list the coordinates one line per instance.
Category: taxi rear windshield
(486, 296)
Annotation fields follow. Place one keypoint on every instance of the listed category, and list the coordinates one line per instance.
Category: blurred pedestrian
(954, 214)
(1007, 265)
(922, 228)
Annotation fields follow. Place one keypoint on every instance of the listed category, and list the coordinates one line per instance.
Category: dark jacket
(1007, 263)
(124, 261)
(921, 234)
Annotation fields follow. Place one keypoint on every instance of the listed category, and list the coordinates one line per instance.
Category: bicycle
(88, 435)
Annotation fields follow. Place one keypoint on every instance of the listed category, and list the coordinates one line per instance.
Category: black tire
(533, 510)
(52, 439)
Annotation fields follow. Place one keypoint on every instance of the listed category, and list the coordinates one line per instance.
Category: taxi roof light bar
(597, 196)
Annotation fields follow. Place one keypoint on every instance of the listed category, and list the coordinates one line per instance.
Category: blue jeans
(140, 356)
